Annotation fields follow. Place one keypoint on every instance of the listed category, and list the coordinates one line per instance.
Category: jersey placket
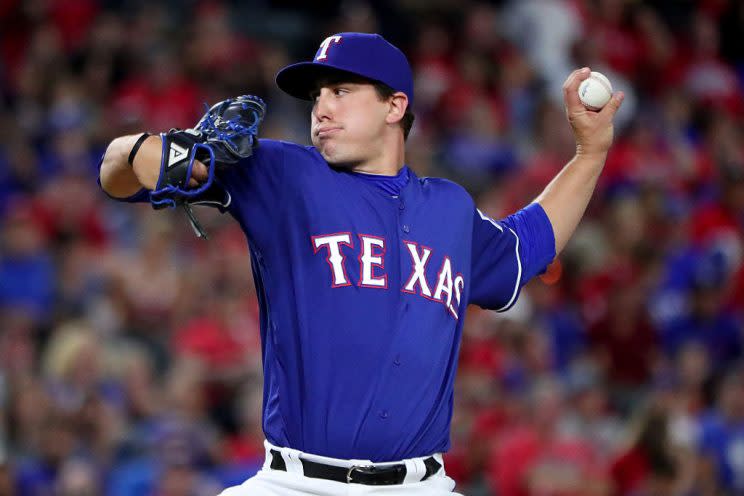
(401, 234)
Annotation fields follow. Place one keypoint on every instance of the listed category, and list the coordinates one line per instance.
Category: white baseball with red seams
(595, 91)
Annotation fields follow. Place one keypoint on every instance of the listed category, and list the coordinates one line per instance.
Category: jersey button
(406, 229)
(401, 205)
(384, 414)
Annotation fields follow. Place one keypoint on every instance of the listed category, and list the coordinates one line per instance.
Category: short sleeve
(256, 186)
(506, 254)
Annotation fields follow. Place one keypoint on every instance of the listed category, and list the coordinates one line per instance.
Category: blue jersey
(363, 284)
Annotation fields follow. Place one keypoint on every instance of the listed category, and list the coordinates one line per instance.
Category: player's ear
(398, 105)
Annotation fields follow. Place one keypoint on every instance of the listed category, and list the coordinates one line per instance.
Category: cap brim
(301, 79)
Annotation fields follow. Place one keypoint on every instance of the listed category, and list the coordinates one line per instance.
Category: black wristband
(136, 147)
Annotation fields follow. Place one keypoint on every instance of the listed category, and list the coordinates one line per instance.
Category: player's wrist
(135, 148)
(591, 153)
(146, 162)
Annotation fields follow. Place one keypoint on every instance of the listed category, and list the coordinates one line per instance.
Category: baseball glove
(226, 134)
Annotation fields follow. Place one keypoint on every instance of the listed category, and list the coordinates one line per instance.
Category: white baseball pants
(269, 482)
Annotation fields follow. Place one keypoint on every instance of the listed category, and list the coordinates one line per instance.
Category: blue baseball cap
(361, 54)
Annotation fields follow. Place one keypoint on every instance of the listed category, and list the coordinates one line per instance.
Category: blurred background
(129, 351)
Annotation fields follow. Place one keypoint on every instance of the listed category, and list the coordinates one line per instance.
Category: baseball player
(363, 269)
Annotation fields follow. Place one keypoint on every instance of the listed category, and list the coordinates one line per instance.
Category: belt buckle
(356, 467)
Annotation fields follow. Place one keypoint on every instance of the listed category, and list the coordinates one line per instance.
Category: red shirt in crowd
(526, 464)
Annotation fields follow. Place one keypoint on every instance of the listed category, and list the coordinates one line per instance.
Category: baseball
(595, 91)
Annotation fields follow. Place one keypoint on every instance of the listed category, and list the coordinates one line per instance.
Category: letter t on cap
(323, 52)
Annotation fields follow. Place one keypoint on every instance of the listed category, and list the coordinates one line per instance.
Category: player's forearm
(566, 197)
(118, 178)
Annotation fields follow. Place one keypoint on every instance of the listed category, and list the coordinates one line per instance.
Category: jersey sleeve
(256, 186)
(506, 254)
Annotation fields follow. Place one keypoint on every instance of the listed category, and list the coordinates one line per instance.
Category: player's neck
(388, 162)
(377, 169)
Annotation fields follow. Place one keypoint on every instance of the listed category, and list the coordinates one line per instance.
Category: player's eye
(340, 91)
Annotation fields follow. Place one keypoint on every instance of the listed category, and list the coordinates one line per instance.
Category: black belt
(369, 475)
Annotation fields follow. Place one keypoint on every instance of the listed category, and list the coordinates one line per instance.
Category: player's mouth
(323, 132)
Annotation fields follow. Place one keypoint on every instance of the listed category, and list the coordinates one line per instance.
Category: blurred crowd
(129, 349)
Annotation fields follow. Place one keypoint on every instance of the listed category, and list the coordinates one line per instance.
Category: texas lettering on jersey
(447, 289)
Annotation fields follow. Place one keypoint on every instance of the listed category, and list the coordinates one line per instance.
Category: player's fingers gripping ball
(227, 133)
(595, 91)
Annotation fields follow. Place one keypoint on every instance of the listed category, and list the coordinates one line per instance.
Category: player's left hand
(593, 131)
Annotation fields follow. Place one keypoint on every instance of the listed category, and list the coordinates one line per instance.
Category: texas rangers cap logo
(368, 55)
(324, 46)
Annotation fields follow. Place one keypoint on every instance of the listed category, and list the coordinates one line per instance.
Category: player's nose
(322, 105)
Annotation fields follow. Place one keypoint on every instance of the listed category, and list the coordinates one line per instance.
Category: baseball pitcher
(363, 269)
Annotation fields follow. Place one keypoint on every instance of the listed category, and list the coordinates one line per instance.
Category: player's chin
(337, 154)
(331, 153)
(342, 162)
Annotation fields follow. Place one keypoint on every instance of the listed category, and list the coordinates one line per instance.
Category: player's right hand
(593, 131)
(199, 174)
